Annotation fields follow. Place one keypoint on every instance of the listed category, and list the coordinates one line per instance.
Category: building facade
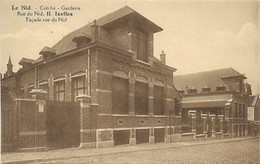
(214, 103)
(111, 63)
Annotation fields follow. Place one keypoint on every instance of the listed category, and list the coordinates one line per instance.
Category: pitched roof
(210, 79)
(26, 60)
(66, 43)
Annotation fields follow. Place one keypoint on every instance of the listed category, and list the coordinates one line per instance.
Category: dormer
(132, 32)
(220, 88)
(81, 39)
(192, 90)
(25, 62)
(205, 89)
(47, 52)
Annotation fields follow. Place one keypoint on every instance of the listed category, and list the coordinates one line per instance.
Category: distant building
(254, 114)
(220, 94)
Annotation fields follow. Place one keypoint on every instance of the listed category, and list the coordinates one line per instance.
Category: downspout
(35, 78)
(89, 72)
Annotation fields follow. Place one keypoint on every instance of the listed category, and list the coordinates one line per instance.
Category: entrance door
(62, 124)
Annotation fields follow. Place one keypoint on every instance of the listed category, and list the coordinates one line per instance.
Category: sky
(197, 36)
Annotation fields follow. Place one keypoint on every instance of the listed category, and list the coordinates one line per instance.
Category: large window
(78, 87)
(158, 105)
(142, 45)
(141, 98)
(59, 90)
(240, 111)
(120, 96)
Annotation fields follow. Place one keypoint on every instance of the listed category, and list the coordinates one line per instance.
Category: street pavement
(238, 150)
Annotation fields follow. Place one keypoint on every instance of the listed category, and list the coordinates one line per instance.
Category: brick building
(109, 65)
(214, 103)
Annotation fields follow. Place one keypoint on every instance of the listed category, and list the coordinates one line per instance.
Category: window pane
(78, 86)
(80, 83)
(61, 96)
(141, 98)
(119, 96)
(142, 46)
(158, 100)
(61, 85)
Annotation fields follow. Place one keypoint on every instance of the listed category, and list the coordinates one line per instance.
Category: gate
(62, 124)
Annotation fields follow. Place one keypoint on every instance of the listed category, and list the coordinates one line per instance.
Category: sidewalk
(79, 153)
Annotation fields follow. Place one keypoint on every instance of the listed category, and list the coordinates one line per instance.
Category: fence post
(213, 121)
(87, 122)
(221, 117)
(204, 119)
(193, 122)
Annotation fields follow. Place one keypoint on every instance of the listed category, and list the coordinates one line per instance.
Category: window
(59, 90)
(240, 111)
(221, 88)
(120, 96)
(236, 110)
(78, 87)
(142, 46)
(158, 105)
(244, 111)
(230, 112)
(141, 98)
(205, 89)
(192, 91)
(45, 87)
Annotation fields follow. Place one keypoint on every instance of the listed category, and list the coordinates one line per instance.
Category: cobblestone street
(243, 151)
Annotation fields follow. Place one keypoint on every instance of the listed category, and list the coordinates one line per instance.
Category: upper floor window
(221, 88)
(142, 45)
(141, 98)
(193, 90)
(120, 96)
(158, 106)
(78, 87)
(205, 89)
(59, 90)
(236, 110)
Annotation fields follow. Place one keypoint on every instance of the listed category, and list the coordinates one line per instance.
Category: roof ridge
(221, 69)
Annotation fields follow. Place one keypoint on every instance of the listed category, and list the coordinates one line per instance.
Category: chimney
(163, 57)
(94, 31)
(186, 89)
